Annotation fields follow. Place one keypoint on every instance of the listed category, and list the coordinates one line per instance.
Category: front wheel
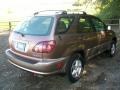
(112, 50)
(75, 67)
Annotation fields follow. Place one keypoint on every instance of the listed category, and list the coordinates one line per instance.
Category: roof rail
(80, 12)
(52, 11)
(83, 12)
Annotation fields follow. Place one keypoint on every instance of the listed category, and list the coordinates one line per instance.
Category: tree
(109, 9)
(102, 8)
(90, 6)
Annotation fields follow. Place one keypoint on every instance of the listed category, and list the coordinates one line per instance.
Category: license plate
(20, 46)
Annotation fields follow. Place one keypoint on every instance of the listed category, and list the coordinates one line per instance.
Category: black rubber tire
(113, 44)
(69, 66)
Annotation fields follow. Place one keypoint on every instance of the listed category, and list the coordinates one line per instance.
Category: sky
(21, 8)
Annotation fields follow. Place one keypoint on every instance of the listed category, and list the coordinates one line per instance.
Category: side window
(63, 24)
(84, 25)
(99, 25)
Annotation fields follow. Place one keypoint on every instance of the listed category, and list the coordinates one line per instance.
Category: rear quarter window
(63, 24)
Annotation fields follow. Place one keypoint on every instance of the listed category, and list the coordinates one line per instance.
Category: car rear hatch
(26, 36)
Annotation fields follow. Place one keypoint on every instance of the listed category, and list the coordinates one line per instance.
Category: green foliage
(90, 6)
(105, 9)
(109, 9)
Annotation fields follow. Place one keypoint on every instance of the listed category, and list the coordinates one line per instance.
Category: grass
(6, 25)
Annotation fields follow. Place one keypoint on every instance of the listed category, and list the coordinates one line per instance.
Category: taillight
(45, 47)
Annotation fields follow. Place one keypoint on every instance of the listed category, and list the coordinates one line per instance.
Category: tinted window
(63, 24)
(99, 25)
(38, 25)
(84, 25)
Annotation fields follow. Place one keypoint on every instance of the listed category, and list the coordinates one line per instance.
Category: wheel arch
(114, 39)
(82, 53)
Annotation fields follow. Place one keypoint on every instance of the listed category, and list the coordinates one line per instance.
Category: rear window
(37, 25)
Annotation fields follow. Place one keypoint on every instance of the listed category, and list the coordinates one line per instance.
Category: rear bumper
(46, 67)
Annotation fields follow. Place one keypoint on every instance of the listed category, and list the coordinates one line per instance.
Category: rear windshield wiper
(19, 33)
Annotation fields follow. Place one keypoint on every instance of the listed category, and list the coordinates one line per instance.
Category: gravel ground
(101, 73)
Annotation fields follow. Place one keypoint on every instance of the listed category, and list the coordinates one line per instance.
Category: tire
(112, 50)
(75, 68)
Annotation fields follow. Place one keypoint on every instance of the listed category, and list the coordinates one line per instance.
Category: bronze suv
(52, 42)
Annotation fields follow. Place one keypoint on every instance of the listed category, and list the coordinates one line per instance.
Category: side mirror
(108, 27)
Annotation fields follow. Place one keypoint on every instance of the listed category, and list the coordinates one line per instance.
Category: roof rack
(80, 12)
(59, 12)
(83, 12)
(52, 11)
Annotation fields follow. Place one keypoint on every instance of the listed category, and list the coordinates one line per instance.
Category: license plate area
(20, 46)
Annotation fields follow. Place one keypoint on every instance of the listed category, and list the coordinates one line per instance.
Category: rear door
(64, 39)
(88, 35)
